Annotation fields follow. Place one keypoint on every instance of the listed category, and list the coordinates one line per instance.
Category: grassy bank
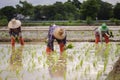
(69, 23)
(66, 23)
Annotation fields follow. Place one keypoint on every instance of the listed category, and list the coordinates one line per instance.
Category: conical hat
(59, 33)
(14, 23)
(103, 27)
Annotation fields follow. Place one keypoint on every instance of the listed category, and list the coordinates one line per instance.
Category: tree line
(69, 10)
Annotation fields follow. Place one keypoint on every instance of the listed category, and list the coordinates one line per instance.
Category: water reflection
(57, 69)
(16, 58)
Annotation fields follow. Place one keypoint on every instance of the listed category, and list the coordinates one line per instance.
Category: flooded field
(85, 61)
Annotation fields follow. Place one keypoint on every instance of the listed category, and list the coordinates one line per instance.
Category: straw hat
(59, 33)
(14, 23)
(104, 27)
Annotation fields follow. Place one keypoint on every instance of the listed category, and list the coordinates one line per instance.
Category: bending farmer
(15, 32)
(101, 32)
(58, 33)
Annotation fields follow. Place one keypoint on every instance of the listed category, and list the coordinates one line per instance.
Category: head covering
(59, 33)
(14, 23)
(104, 27)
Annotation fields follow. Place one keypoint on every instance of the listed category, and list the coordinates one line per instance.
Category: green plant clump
(69, 46)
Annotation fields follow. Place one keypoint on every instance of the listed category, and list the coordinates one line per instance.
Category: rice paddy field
(85, 61)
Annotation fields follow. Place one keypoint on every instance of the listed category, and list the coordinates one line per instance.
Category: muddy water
(85, 61)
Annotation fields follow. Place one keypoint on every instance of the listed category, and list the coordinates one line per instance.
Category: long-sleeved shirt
(100, 33)
(15, 31)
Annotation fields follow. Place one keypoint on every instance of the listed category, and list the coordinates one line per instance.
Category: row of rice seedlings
(39, 59)
(79, 65)
(33, 53)
(105, 64)
(17, 71)
(95, 63)
(117, 50)
(81, 61)
(65, 75)
(31, 66)
(4, 35)
(87, 70)
(99, 74)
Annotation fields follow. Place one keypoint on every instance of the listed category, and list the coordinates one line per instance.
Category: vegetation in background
(89, 20)
(71, 10)
(3, 22)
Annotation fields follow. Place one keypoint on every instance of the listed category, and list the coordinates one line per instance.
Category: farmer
(58, 33)
(101, 32)
(15, 32)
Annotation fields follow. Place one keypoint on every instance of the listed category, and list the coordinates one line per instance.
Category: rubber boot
(106, 39)
(12, 41)
(21, 41)
(97, 40)
(48, 50)
(61, 45)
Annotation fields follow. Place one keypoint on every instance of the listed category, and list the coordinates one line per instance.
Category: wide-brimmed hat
(59, 33)
(103, 27)
(14, 23)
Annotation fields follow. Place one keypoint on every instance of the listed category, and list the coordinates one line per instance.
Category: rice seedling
(1, 71)
(69, 46)
(81, 63)
(79, 57)
(70, 58)
(117, 50)
(17, 72)
(94, 63)
(76, 78)
(64, 75)
(43, 77)
(77, 67)
(39, 59)
(85, 72)
(37, 78)
(33, 64)
(99, 74)
(105, 64)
